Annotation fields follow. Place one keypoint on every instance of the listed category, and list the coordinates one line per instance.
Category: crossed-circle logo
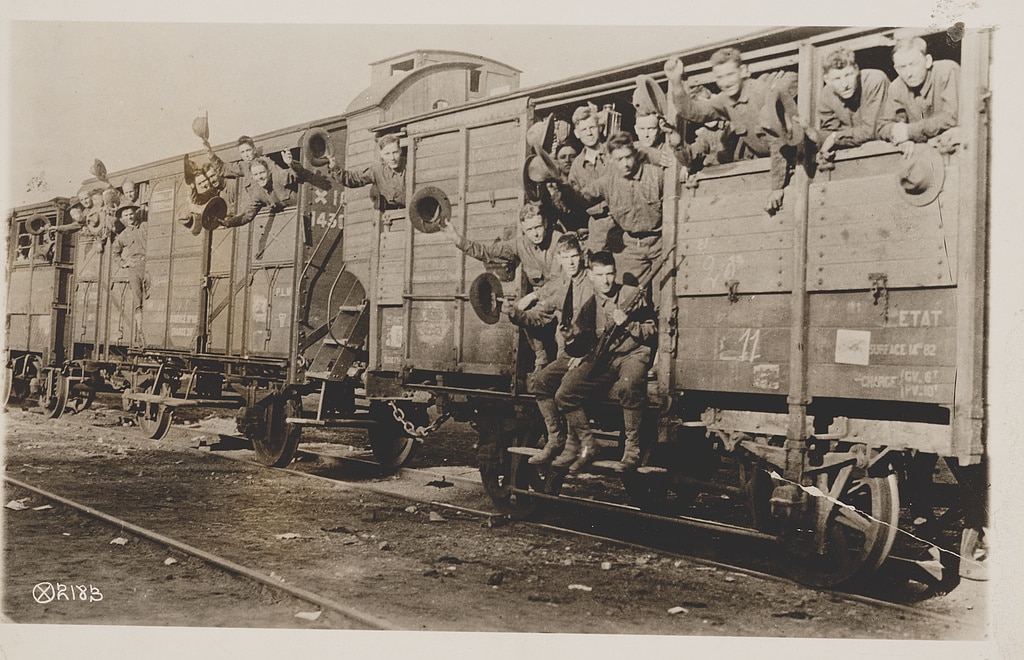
(43, 592)
(47, 592)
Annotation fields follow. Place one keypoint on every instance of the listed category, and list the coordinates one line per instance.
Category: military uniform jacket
(931, 110)
(389, 183)
(550, 303)
(639, 329)
(586, 169)
(634, 202)
(130, 246)
(538, 261)
(856, 120)
(744, 116)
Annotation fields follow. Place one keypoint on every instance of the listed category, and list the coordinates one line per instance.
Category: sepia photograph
(371, 333)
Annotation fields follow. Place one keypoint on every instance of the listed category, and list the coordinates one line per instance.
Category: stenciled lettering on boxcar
(745, 348)
(327, 208)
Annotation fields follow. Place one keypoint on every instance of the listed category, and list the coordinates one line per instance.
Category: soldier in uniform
(557, 301)
(535, 248)
(589, 166)
(129, 248)
(632, 190)
(742, 101)
(924, 100)
(622, 371)
(386, 174)
(239, 170)
(851, 103)
(275, 189)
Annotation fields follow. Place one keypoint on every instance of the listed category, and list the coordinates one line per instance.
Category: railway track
(566, 521)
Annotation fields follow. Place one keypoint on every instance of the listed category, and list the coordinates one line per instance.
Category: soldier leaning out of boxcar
(714, 141)
(632, 190)
(535, 248)
(239, 170)
(743, 101)
(622, 372)
(272, 187)
(386, 174)
(657, 141)
(924, 100)
(850, 104)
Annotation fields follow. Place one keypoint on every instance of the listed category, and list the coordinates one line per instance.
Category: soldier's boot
(578, 423)
(556, 438)
(631, 450)
(571, 451)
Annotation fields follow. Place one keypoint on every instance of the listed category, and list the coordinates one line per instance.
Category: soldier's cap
(121, 209)
(75, 201)
(648, 97)
(921, 176)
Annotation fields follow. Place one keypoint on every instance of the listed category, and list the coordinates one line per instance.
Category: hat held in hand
(920, 177)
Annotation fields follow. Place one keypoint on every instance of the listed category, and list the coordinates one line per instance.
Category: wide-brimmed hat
(201, 127)
(541, 135)
(541, 168)
(779, 116)
(648, 97)
(429, 209)
(124, 207)
(98, 169)
(485, 297)
(315, 146)
(920, 177)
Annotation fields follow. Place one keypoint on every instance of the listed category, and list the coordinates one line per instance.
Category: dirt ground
(420, 567)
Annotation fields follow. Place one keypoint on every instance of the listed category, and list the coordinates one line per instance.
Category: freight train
(815, 349)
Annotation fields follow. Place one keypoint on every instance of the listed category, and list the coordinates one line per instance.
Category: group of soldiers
(593, 232)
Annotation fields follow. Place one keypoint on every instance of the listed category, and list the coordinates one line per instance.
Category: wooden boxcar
(39, 276)
(817, 346)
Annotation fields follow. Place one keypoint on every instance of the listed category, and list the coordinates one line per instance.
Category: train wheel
(155, 420)
(515, 473)
(80, 399)
(277, 447)
(54, 398)
(859, 535)
(391, 447)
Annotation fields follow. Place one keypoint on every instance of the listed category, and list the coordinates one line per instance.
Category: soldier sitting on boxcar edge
(850, 104)
(559, 301)
(632, 189)
(924, 100)
(622, 372)
(589, 166)
(386, 174)
(743, 101)
(129, 247)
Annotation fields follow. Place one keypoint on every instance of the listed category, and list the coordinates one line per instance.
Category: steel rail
(225, 564)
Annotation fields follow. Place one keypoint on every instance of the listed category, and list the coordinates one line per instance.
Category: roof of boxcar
(377, 93)
(457, 53)
(779, 36)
